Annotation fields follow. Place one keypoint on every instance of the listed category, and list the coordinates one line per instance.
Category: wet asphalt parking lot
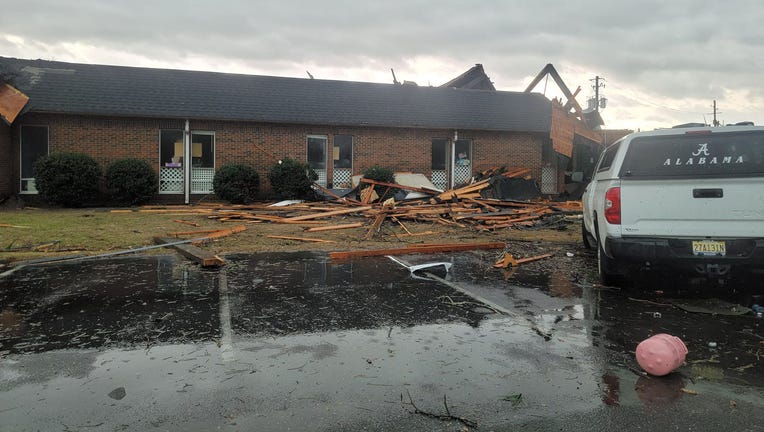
(296, 341)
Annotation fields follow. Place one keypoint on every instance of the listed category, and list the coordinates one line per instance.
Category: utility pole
(716, 122)
(597, 102)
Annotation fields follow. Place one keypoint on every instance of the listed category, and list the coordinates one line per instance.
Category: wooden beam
(328, 214)
(307, 239)
(418, 249)
(201, 256)
(335, 227)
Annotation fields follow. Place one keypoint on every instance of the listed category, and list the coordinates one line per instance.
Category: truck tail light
(613, 206)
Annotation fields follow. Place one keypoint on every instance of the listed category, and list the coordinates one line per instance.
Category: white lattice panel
(439, 179)
(462, 174)
(170, 179)
(201, 180)
(341, 178)
(321, 176)
(548, 180)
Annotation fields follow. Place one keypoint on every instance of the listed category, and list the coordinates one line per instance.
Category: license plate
(709, 247)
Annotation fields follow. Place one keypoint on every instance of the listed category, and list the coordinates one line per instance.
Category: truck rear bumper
(739, 252)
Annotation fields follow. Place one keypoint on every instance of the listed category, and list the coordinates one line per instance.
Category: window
(317, 156)
(439, 151)
(343, 151)
(34, 145)
(202, 150)
(171, 148)
(607, 157)
(718, 154)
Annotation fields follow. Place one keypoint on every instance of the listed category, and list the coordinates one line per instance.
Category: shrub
(68, 179)
(236, 183)
(382, 175)
(130, 181)
(291, 179)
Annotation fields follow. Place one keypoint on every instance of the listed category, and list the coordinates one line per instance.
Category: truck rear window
(717, 154)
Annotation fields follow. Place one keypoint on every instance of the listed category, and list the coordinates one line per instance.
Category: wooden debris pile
(461, 207)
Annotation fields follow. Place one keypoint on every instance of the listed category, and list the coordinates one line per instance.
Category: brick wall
(6, 162)
(261, 145)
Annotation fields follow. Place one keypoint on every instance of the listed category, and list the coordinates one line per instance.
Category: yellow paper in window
(178, 149)
(336, 153)
(196, 149)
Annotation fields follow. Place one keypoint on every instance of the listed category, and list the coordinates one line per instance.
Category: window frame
(21, 156)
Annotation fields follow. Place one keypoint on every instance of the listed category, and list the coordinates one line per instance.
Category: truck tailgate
(691, 208)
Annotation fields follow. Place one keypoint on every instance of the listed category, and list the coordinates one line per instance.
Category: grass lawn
(37, 233)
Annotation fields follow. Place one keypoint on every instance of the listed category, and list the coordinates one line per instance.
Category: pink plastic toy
(660, 354)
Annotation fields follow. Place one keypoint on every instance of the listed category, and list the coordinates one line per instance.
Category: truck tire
(606, 266)
(586, 236)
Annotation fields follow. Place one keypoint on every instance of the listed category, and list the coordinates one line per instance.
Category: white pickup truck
(683, 198)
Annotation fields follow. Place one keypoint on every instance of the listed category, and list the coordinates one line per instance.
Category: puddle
(279, 341)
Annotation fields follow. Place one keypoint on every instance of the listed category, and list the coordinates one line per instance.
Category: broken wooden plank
(201, 256)
(374, 228)
(187, 233)
(400, 186)
(221, 233)
(415, 249)
(307, 239)
(328, 214)
(424, 233)
(509, 260)
(185, 222)
(335, 227)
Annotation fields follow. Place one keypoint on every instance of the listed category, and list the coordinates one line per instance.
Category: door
(342, 171)
(317, 156)
(172, 160)
(202, 162)
(439, 163)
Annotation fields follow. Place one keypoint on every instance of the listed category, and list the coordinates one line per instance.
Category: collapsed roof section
(12, 102)
(568, 119)
(475, 78)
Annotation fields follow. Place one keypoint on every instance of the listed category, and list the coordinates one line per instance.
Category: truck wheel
(606, 266)
(586, 236)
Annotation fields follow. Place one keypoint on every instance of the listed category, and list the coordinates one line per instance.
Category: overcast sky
(664, 62)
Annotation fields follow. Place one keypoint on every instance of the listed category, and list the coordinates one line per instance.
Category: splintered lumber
(418, 249)
(187, 233)
(328, 214)
(335, 227)
(509, 260)
(374, 228)
(400, 186)
(307, 239)
(222, 233)
(424, 233)
(186, 222)
(201, 256)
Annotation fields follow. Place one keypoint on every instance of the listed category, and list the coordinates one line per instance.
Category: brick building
(340, 128)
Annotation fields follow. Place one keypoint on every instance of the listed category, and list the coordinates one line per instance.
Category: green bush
(291, 179)
(68, 179)
(382, 175)
(130, 181)
(236, 183)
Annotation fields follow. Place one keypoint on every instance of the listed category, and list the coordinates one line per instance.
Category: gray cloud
(673, 52)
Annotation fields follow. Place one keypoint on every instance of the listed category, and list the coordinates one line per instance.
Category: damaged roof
(73, 88)
(474, 78)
